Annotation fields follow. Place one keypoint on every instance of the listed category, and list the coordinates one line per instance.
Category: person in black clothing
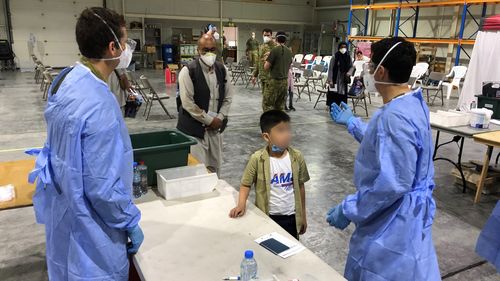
(338, 74)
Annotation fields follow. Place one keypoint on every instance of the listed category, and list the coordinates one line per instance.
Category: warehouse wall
(277, 12)
(51, 23)
(244, 30)
(287, 15)
(433, 22)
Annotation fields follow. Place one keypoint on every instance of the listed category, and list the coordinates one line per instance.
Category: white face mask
(266, 39)
(343, 50)
(208, 58)
(126, 55)
(125, 58)
(216, 35)
(369, 78)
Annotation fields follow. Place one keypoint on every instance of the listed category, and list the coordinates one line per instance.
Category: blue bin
(167, 51)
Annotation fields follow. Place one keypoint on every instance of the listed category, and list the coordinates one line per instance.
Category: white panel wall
(53, 24)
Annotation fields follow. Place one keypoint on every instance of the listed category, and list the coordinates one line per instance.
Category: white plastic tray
(450, 118)
(185, 181)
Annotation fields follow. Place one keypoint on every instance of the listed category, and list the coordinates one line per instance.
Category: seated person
(288, 174)
(361, 57)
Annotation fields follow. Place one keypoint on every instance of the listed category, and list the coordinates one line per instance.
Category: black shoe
(286, 109)
(292, 108)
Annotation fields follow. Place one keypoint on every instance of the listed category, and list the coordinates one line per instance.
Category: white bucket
(480, 118)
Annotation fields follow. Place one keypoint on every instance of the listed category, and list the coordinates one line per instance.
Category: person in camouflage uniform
(264, 51)
(252, 49)
(278, 64)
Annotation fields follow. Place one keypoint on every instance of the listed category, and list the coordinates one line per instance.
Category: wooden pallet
(472, 174)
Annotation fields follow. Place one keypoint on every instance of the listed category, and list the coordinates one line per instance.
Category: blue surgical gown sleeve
(357, 129)
(488, 243)
(107, 188)
(396, 149)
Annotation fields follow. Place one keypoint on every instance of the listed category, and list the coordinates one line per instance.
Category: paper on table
(294, 247)
(494, 121)
(7, 193)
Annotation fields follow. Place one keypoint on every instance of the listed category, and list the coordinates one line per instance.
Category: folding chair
(298, 58)
(48, 78)
(150, 95)
(357, 101)
(317, 60)
(39, 69)
(307, 58)
(249, 76)
(240, 72)
(317, 69)
(429, 85)
(47, 72)
(321, 92)
(297, 70)
(307, 73)
(229, 63)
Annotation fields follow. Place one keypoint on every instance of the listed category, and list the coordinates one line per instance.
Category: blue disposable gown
(393, 208)
(488, 244)
(83, 191)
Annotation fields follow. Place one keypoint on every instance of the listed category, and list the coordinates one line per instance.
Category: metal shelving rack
(416, 6)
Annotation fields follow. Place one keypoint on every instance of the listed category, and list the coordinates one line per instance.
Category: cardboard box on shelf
(151, 49)
(159, 65)
(173, 66)
(472, 175)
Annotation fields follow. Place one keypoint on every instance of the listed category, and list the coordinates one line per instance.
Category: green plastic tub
(161, 150)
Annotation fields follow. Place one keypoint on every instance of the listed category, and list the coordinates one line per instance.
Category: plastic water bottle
(143, 171)
(136, 189)
(248, 267)
(473, 105)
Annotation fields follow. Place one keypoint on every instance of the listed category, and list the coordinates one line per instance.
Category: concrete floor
(329, 151)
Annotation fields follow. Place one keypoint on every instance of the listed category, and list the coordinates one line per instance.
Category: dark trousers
(290, 97)
(288, 223)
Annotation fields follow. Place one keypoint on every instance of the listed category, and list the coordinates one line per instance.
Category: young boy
(278, 173)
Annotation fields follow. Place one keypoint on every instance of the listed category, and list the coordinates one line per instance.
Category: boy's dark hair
(271, 118)
(399, 62)
(281, 37)
(359, 53)
(342, 44)
(93, 35)
(267, 30)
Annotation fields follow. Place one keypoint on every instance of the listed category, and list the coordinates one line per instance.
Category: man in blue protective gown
(84, 171)
(488, 243)
(393, 208)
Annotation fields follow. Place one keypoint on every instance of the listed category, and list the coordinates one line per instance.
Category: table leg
(436, 146)
(458, 165)
(484, 172)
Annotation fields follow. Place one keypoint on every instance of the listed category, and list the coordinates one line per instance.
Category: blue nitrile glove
(136, 238)
(335, 217)
(341, 114)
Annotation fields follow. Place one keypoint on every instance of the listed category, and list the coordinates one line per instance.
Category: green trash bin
(490, 103)
(161, 150)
